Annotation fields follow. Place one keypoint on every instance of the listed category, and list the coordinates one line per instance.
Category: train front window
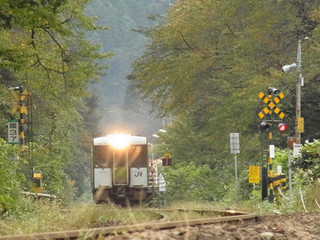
(138, 155)
(120, 158)
(120, 167)
(102, 156)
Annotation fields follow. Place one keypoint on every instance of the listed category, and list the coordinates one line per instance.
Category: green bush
(9, 179)
(188, 181)
(307, 167)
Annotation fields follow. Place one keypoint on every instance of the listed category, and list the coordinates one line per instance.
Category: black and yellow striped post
(21, 118)
(270, 173)
(20, 95)
(267, 111)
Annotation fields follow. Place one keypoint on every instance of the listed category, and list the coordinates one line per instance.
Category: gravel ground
(304, 226)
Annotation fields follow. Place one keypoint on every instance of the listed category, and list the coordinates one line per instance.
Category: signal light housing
(282, 127)
(264, 126)
(274, 91)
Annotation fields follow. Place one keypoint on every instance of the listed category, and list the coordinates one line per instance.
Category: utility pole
(298, 92)
(299, 123)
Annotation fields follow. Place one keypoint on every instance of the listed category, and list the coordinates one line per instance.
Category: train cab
(120, 169)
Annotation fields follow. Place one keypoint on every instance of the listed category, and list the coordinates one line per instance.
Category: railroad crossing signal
(273, 97)
(271, 105)
(19, 98)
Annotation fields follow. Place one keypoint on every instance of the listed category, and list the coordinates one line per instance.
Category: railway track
(162, 224)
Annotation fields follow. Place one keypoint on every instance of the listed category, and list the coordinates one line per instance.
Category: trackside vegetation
(203, 68)
(44, 48)
(205, 65)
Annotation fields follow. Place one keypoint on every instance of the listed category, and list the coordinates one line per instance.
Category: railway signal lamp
(282, 127)
(273, 91)
(166, 160)
(264, 126)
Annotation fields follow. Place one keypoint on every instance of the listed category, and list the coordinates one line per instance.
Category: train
(121, 170)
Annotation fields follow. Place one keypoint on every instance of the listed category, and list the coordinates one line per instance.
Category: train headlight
(119, 141)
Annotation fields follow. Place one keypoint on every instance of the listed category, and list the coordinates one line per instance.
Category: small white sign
(13, 132)
(297, 150)
(271, 151)
(234, 143)
(279, 169)
(162, 183)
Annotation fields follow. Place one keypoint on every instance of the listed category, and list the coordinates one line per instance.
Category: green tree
(209, 60)
(46, 49)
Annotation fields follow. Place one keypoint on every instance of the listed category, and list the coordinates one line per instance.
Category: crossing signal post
(20, 94)
(273, 97)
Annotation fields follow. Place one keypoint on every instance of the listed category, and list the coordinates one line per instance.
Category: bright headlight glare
(119, 141)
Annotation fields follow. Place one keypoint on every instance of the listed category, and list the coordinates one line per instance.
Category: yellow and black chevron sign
(271, 104)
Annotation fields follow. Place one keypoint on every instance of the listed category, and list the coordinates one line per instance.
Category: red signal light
(282, 127)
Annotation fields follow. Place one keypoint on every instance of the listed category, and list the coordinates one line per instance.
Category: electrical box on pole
(300, 125)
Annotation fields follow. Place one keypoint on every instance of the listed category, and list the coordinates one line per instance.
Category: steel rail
(239, 217)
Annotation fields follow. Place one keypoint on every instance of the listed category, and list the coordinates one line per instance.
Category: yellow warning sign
(300, 125)
(37, 175)
(254, 174)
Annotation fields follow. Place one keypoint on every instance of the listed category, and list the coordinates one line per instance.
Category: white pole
(236, 171)
(298, 91)
(289, 172)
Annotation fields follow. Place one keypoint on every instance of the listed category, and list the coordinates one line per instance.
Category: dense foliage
(9, 179)
(307, 168)
(204, 66)
(189, 182)
(45, 50)
(208, 61)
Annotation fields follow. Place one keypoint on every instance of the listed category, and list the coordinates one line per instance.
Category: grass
(45, 216)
